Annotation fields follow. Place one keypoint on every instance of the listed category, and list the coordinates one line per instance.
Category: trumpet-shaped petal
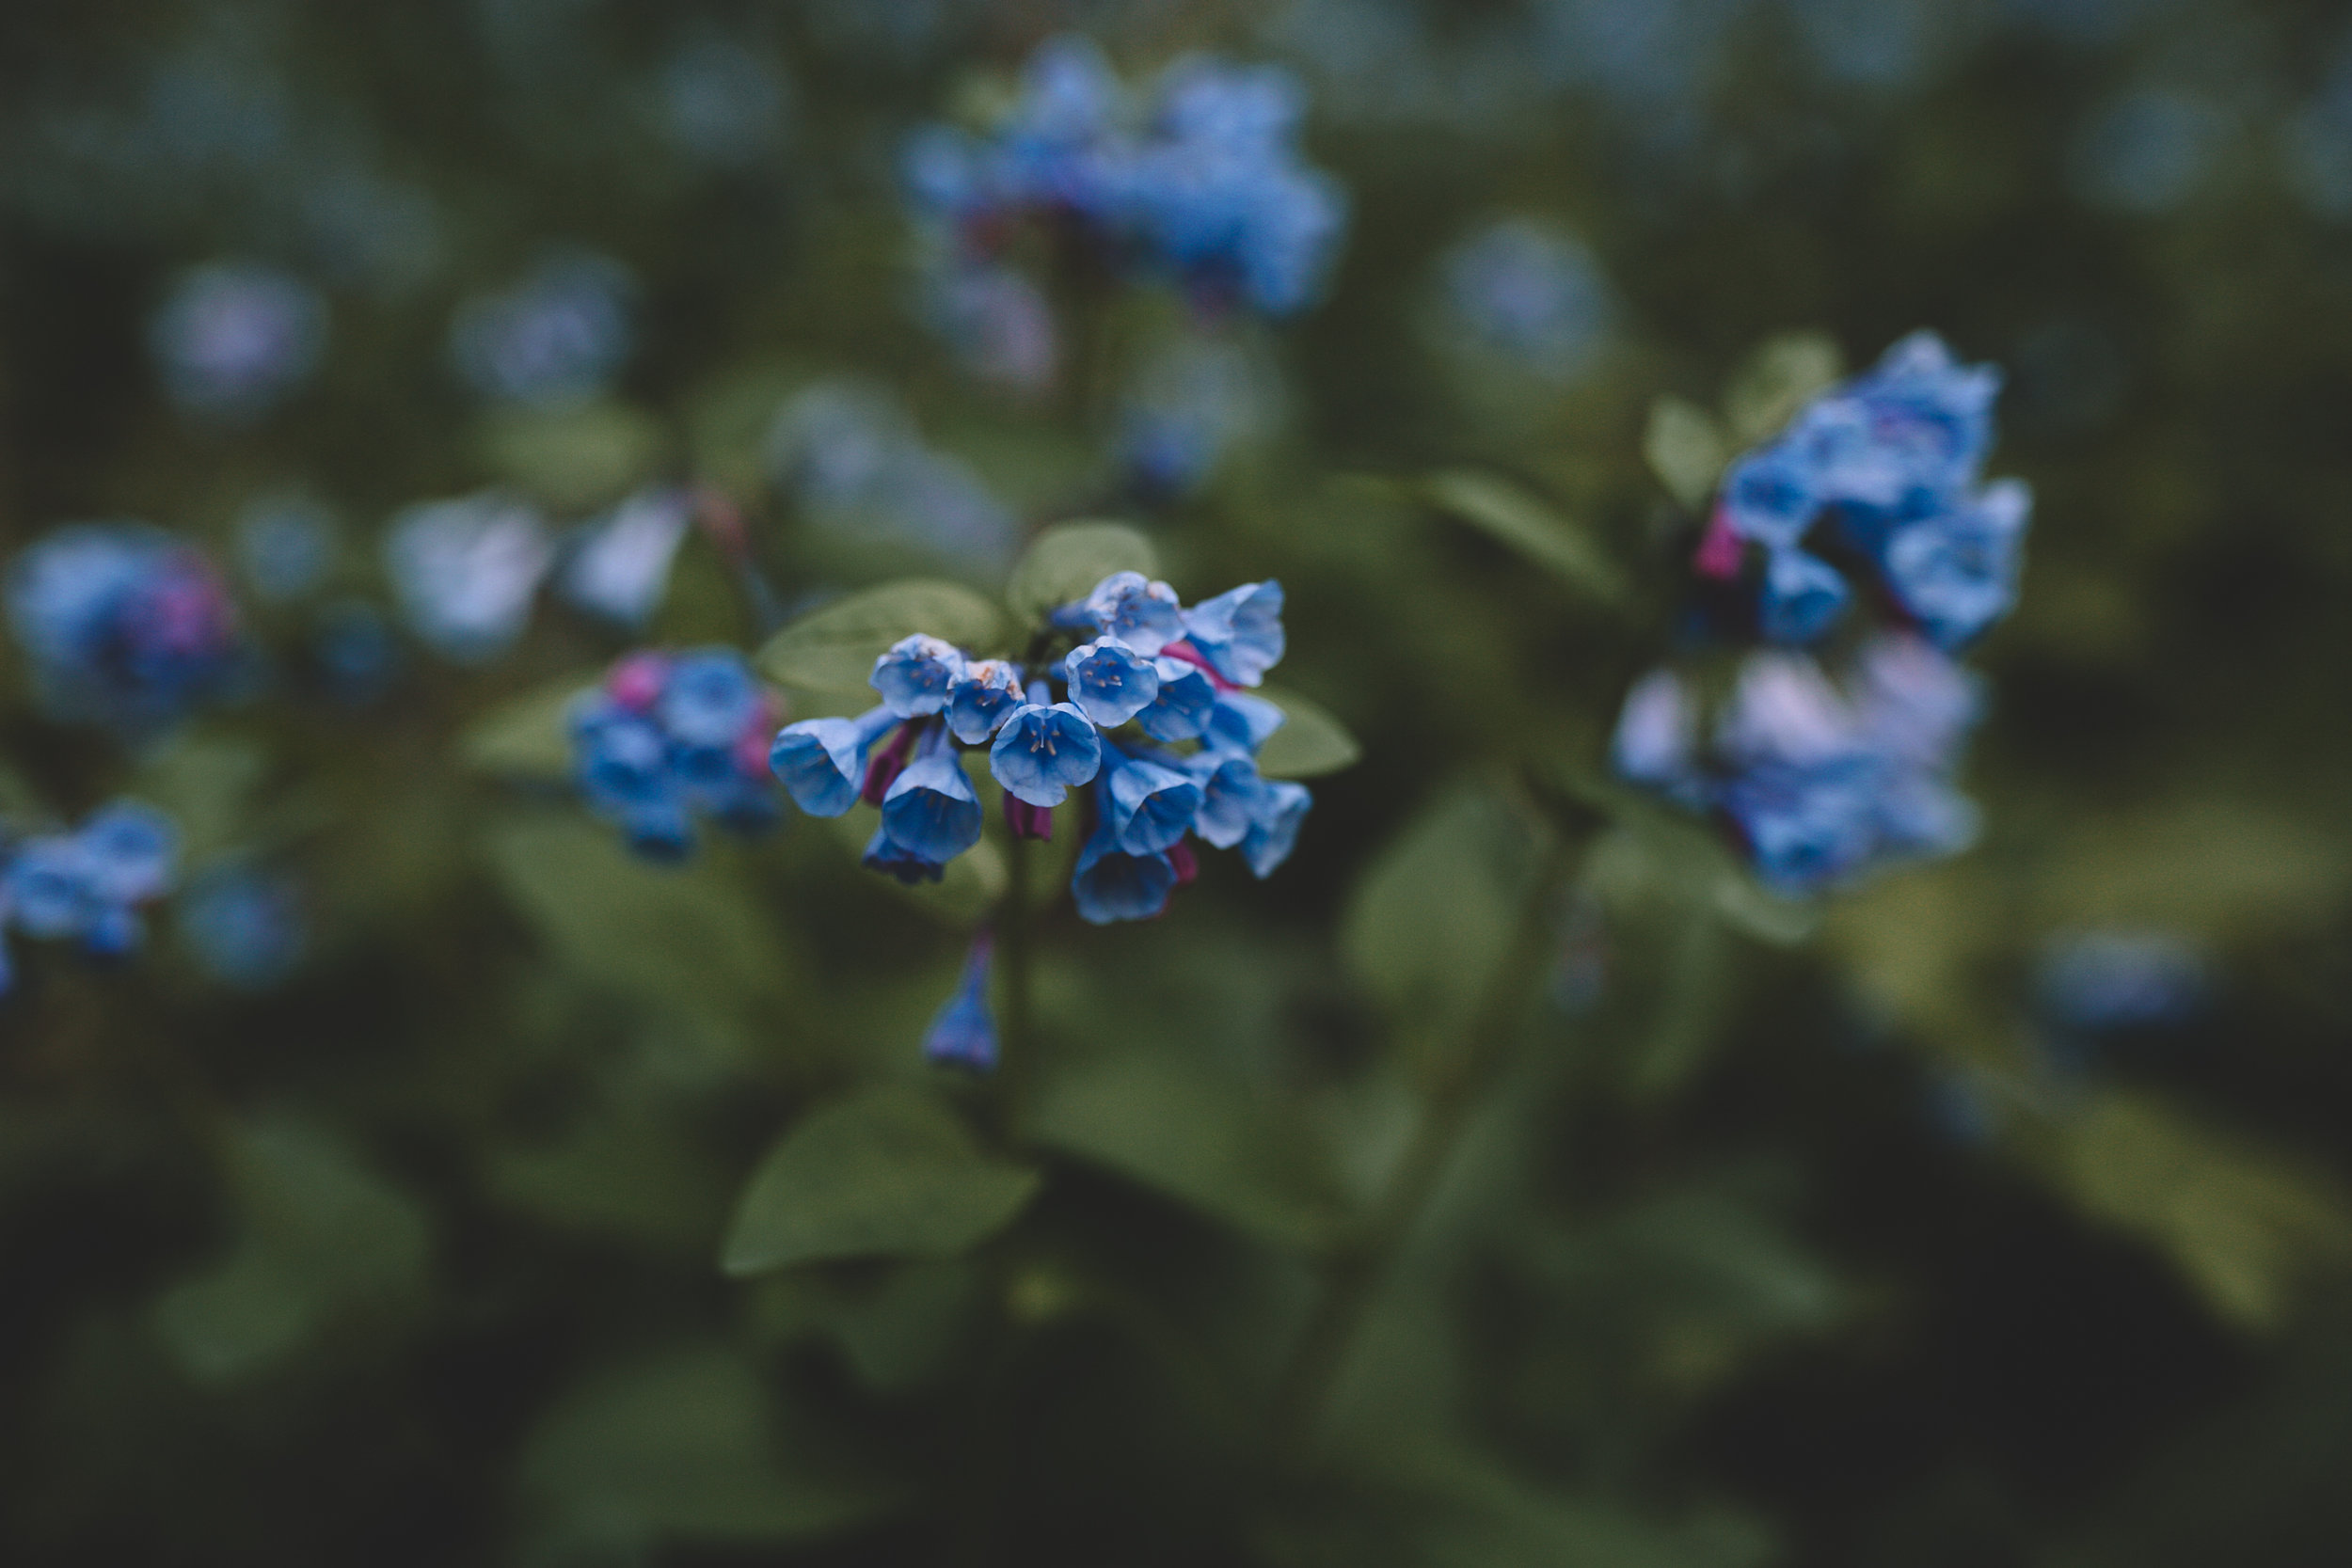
(710, 698)
(1045, 751)
(1150, 807)
(1957, 572)
(914, 677)
(822, 761)
(129, 850)
(931, 808)
(887, 855)
(1240, 631)
(1281, 810)
(964, 1033)
(1110, 682)
(1143, 614)
(1232, 796)
(1110, 884)
(1240, 722)
(981, 699)
(1804, 596)
(1182, 709)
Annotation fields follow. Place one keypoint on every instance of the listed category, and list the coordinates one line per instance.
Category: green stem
(1016, 956)
(1353, 1275)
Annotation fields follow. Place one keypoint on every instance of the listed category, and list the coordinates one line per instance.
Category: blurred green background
(1844, 1234)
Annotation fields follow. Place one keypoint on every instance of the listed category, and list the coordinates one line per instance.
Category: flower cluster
(1206, 186)
(125, 625)
(88, 886)
(1152, 713)
(1882, 474)
(669, 735)
(557, 337)
(1824, 780)
(1820, 783)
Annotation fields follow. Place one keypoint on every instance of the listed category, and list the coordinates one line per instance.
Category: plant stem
(1015, 1067)
(1353, 1275)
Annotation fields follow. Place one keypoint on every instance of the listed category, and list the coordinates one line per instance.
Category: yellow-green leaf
(834, 649)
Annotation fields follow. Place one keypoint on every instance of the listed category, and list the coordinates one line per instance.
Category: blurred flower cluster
(125, 625)
(671, 737)
(88, 886)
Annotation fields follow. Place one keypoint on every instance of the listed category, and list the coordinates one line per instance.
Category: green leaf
(1686, 450)
(627, 1173)
(1784, 374)
(834, 649)
(889, 1173)
(1309, 743)
(208, 785)
(1178, 1126)
(1066, 561)
(2245, 1225)
(526, 736)
(689, 939)
(1433, 915)
(688, 1447)
(322, 1238)
(1509, 513)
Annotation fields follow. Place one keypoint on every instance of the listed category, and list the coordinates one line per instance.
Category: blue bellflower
(1166, 737)
(88, 886)
(670, 737)
(124, 626)
(962, 1034)
(1887, 465)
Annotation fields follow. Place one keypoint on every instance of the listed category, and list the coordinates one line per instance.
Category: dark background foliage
(1806, 1236)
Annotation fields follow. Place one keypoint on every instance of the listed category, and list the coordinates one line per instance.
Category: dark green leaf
(1176, 1125)
(525, 736)
(1500, 508)
(1066, 561)
(889, 1173)
(1433, 915)
(688, 1447)
(834, 649)
(1309, 743)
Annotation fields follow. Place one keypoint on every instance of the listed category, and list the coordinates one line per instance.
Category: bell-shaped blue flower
(931, 808)
(822, 761)
(1108, 883)
(981, 699)
(129, 850)
(1769, 496)
(1804, 596)
(49, 891)
(914, 677)
(1182, 709)
(1240, 631)
(1149, 806)
(1957, 572)
(1143, 614)
(1274, 832)
(964, 1033)
(1045, 750)
(1110, 682)
(709, 698)
(1232, 796)
(1240, 722)
(891, 858)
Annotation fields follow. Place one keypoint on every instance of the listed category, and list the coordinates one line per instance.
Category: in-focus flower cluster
(1203, 183)
(1823, 778)
(1880, 477)
(671, 737)
(88, 886)
(1146, 714)
(125, 625)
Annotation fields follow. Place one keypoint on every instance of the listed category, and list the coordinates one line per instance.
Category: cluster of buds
(1128, 697)
(671, 735)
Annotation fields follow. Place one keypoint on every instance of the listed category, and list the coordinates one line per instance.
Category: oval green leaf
(1529, 525)
(889, 1173)
(1066, 561)
(1310, 742)
(834, 649)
